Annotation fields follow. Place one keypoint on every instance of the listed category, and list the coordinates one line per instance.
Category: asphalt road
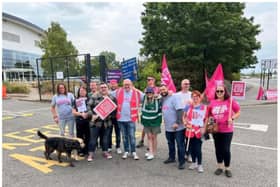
(254, 155)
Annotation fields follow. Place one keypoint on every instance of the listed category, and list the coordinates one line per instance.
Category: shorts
(152, 130)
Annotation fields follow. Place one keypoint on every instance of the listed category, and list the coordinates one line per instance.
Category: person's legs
(71, 125)
(170, 137)
(117, 132)
(150, 143)
(141, 142)
(226, 149)
(62, 124)
(110, 137)
(124, 130)
(94, 132)
(86, 130)
(180, 136)
(218, 151)
(132, 139)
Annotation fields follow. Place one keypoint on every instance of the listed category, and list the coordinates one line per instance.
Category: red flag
(216, 79)
(166, 76)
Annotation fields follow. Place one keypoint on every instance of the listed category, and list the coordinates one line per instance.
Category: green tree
(55, 44)
(110, 58)
(194, 35)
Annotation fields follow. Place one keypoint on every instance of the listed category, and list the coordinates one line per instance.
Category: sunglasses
(150, 79)
(220, 91)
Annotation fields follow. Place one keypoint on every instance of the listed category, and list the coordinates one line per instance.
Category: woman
(224, 113)
(61, 108)
(82, 123)
(194, 117)
(151, 119)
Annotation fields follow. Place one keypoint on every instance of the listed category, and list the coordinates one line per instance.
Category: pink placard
(238, 89)
(105, 107)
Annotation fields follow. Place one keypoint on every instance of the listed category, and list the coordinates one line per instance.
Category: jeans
(195, 147)
(117, 134)
(70, 123)
(82, 127)
(222, 143)
(94, 133)
(128, 135)
(179, 137)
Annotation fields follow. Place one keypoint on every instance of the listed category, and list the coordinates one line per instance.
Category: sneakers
(189, 159)
(193, 166)
(147, 154)
(109, 150)
(228, 173)
(150, 157)
(200, 169)
(135, 157)
(181, 166)
(140, 144)
(125, 155)
(90, 156)
(119, 151)
(107, 155)
(218, 171)
(169, 160)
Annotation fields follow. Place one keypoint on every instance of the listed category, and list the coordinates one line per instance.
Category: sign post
(130, 69)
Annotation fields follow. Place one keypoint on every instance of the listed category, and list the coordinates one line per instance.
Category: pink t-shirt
(220, 111)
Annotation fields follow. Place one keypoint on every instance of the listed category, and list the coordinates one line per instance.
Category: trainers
(107, 155)
(218, 171)
(193, 166)
(169, 160)
(228, 173)
(135, 157)
(110, 150)
(125, 155)
(140, 144)
(200, 169)
(147, 154)
(189, 159)
(90, 157)
(181, 166)
(150, 157)
(119, 151)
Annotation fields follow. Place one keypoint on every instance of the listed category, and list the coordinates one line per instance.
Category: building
(20, 48)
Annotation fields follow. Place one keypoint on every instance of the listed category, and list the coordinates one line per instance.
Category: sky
(116, 26)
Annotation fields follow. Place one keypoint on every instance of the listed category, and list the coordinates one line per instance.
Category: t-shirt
(170, 105)
(64, 105)
(220, 111)
(184, 97)
(198, 114)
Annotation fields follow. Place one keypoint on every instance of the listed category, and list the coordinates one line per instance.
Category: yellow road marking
(8, 117)
(12, 146)
(36, 162)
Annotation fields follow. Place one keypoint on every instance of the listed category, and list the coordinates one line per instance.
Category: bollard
(4, 92)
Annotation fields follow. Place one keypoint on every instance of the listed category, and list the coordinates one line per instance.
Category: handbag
(212, 126)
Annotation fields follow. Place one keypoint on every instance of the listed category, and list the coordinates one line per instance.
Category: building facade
(20, 48)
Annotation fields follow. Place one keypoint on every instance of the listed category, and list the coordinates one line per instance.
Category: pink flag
(216, 79)
(166, 76)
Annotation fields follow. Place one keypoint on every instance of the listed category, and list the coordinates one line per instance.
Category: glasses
(186, 83)
(220, 91)
(149, 92)
(150, 79)
(103, 87)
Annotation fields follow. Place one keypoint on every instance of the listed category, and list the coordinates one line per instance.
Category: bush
(17, 87)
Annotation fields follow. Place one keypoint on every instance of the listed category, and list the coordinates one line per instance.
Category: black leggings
(195, 147)
(222, 143)
(82, 127)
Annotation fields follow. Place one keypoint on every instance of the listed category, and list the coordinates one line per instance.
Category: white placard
(59, 75)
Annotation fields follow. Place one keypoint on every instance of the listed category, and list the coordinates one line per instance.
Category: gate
(72, 70)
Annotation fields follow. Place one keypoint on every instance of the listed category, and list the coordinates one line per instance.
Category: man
(114, 86)
(185, 97)
(151, 82)
(128, 99)
(93, 88)
(97, 125)
(174, 127)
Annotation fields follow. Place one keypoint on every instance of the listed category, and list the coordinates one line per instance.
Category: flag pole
(230, 105)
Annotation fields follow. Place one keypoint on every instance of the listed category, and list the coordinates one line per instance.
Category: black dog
(61, 144)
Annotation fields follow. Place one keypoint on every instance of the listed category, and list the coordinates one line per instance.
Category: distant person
(114, 86)
(93, 88)
(151, 83)
(61, 108)
(194, 119)
(129, 100)
(174, 127)
(219, 109)
(98, 125)
(185, 96)
(82, 123)
(151, 118)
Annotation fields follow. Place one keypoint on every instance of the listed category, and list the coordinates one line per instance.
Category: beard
(164, 94)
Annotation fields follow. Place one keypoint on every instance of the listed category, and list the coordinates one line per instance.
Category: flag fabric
(166, 76)
(216, 79)
(260, 93)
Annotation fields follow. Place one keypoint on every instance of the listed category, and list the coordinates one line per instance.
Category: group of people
(183, 114)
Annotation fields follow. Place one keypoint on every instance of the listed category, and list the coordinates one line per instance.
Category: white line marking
(255, 146)
(252, 126)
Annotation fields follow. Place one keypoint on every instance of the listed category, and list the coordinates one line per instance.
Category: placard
(105, 107)
(238, 89)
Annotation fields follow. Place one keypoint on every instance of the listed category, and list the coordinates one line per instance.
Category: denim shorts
(152, 130)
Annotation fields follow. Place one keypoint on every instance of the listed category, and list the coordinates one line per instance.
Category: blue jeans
(70, 123)
(94, 133)
(179, 137)
(128, 135)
